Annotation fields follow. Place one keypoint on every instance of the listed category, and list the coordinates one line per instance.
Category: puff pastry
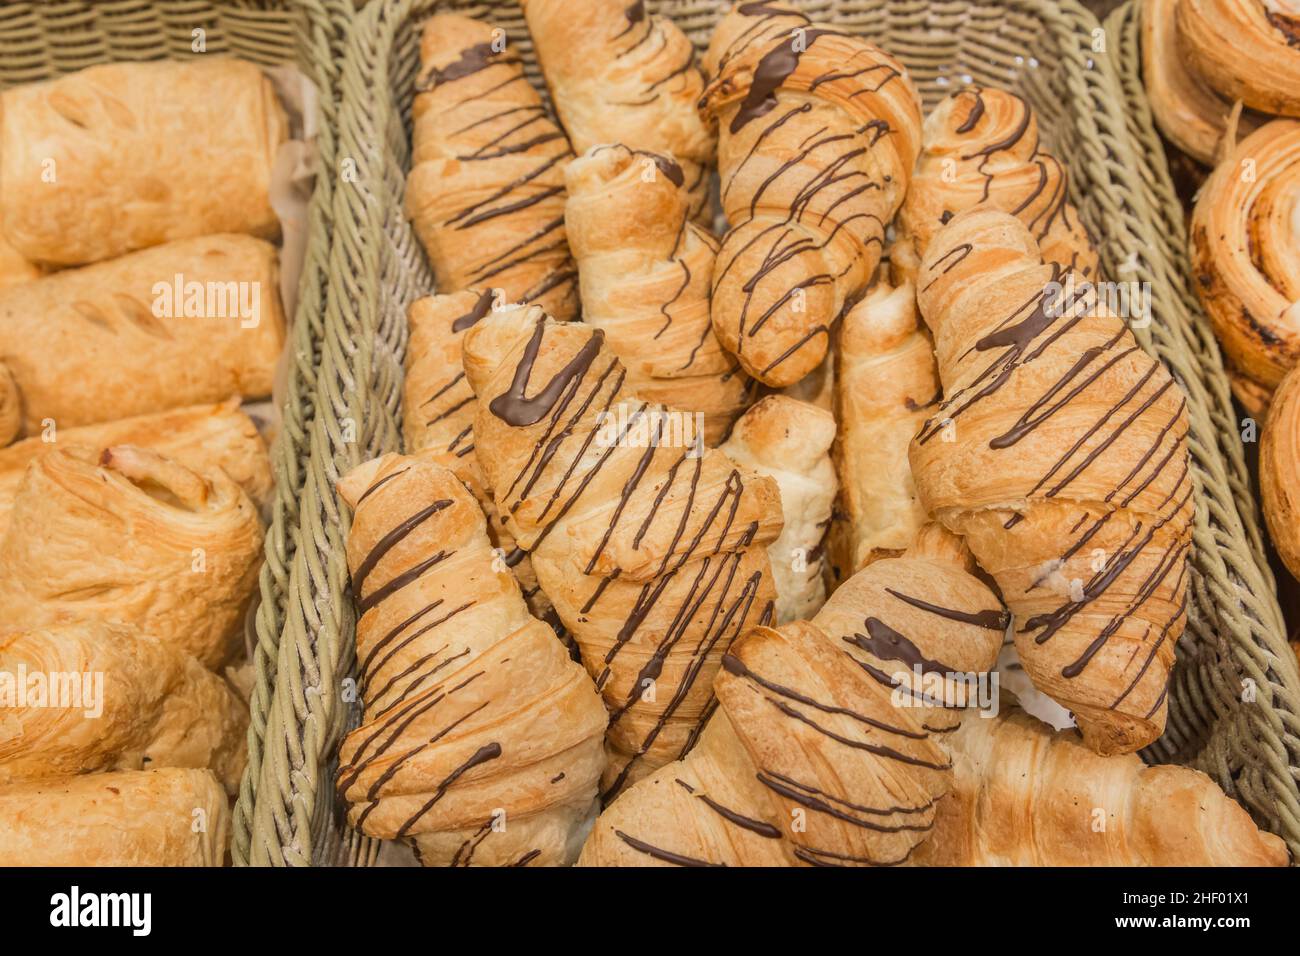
(167, 817)
(118, 157)
(1279, 472)
(486, 189)
(1248, 50)
(11, 407)
(128, 536)
(125, 702)
(482, 741)
(113, 340)
(13, 267)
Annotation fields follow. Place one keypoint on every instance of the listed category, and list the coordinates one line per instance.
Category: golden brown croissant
(1279, 471)
(122, 156)
(885, 384)
(982, 148)
(193, 321)
(482, 741)
(1248, 50)
(652, 548)
(619, 75)
(790, 442)
(1245, 248)
(128, 536)
(822, 750)
(171, 817)
(1025, 796)
(644, 271)
(486, 189)
(1059, 453)
(93, 696)
(819, 131)
(749, 24)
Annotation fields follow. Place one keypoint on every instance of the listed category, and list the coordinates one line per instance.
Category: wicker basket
(1042, 48)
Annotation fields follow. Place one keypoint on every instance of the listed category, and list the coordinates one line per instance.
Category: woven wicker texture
(1053, 53)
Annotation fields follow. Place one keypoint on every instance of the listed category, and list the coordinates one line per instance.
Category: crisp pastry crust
(486, 190)
(13, 267)
(1279, 472)
(133, 702)
(1245, 249)
(982, 149)
(128, 536)
(1248, 50)
(1025, 796)
(123, 156)
(790, 442)
(11, 407)
(620, 75)
(645, 272)
(820, 752)
(169, 817)
(803, 243)
(652, 548)
(481, 741)
(111, 340)
(1060, 454)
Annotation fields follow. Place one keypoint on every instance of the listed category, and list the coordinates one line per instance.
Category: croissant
(94, 696)
(1059, 453)
(192, 321)
(127, 536)
(1025, 796)
(749, 24)
(821, 751)
(171, 817)
(619, 75)
(885, 384)
(1279, 472)
(981, 148)
(790, 441)
(481, 740)
(1248, 50)
(486, 189)
(819, 132)
(1244, 242)
(652, 548)
(644, 270)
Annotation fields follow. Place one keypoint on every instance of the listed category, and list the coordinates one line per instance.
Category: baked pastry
(486, 190)
(127, 536)
(820, 751)
(651, 547)
(92, 696)
(193, 321)
(818, 134)
(982, 148)
(481, 742)
(1245, 249)
(122, 156)
(886, 384)
(169, 817)
(1025, 796)
(620, 75)
(748, 24)
(790, 442)
(1248, 50)
(644, 271)
(11, 407)
(13, 267)
(1279, 471)
(1060, 454)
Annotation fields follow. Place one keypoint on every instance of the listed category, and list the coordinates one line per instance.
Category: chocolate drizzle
(515, 409)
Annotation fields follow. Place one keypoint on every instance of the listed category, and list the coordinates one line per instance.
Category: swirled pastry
(1248, 50)
(1279, 471)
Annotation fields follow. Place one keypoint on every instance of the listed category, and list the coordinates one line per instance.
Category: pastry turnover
(1245, 249)
(486, 189)
(1279, 471)
(790, 441)
(886, 384)
(1025, 796)
(821, 751)
(481, 741)
(169, 817)
(107, 697)
(128, 536)
(116, 339)
(982, 148)
(1248, 50)
(1060, 453)
(644, 272)
(818, 134)
(651, 547)
(123, 156)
